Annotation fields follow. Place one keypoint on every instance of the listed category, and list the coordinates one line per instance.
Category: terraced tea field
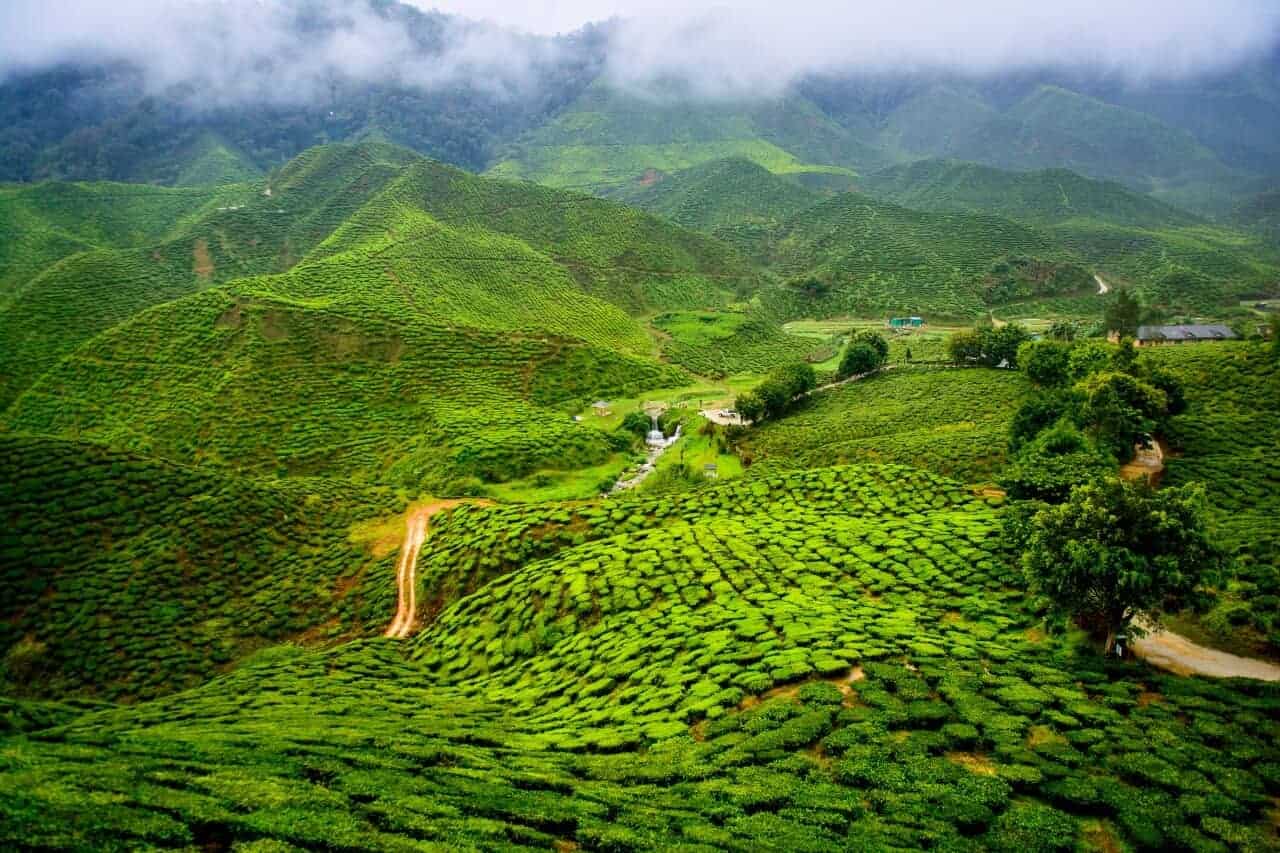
(952, 421)
(1228, 440)
(126, 577)
(820, 660)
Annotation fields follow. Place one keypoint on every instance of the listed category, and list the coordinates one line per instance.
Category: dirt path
(1103, 287)
(416, 525)
(1177, 654)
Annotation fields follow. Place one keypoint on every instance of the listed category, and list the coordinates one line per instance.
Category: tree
(988, 345)
(873, 339)
(1057, 460)
(1037, 413)
(964, 347)
(1089, 357)
(1045, 362)
(1118, 409)
(749, 406)
(1063, 330)
(1000, 346)
(1122, 314)
(1125, 358)
(867, 351)
(858, 359)
(1115, 550)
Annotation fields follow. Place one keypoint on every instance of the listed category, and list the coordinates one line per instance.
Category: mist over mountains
(1182, 102)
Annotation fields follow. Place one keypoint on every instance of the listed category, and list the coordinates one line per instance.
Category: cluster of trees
(867, 352)
(777, 394)
(1116, 550)
(1019, 277)
(1094, 402)
(989, 346)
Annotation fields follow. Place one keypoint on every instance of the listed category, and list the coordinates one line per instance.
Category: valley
(450, 457)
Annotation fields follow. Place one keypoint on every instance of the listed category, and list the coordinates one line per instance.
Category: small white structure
(601, 408)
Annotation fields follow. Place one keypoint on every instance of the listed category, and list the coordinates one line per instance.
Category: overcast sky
(246, 48)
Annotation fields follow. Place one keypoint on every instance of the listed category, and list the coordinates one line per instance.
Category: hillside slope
(124, 577)
(729, 192)
(1043, 197)
(824, 660)
(160, 253)
(609, 142)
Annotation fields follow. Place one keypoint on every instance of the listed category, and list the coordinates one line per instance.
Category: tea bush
(797, 668)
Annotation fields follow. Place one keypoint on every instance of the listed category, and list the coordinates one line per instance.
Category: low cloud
(292, 50)
(227, 51)
(759, 47)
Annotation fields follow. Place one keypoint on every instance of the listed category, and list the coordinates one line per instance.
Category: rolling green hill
(126, 577)
(831, 658)
(954, 422)
(1044, 197)
(1227, 441)
(719, 193)
(868, 257)
(430, 327)
(611, 142)
(169, 251)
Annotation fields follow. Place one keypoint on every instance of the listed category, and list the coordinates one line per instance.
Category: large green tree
(1116, 550)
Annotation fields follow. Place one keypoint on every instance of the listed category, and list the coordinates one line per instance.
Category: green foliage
(605, 688)
(991, 346)
(1046, 363)
(1226, 439)
(1118, 409)
(779, 393)
(950, 421)
(1116, 550)
(867, 351)
(859, 359)
(720, 343)
(720, 194)
(1018, 279)
(1058, 459)
(1123, 314)
(126, 577)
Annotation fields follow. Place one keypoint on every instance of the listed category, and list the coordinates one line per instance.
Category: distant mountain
(612, 142)
(1043, 196)
(1202, 143)
(726, 192)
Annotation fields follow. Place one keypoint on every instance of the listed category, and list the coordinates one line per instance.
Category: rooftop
(1189, 332)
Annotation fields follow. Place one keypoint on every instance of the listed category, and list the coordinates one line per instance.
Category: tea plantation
(125, 577)
(830, 660)
(1228, 440)
(955, 422)
(224, 408)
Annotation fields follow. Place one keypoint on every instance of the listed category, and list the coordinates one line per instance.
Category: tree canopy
(1116, 550)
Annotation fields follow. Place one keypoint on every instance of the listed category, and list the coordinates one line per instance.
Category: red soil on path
(416, 526)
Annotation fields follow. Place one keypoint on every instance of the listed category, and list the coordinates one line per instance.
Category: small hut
(601, 408)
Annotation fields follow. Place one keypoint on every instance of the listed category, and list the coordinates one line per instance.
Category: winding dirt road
(416, 525)
(1103, 287)
(1177, 654)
